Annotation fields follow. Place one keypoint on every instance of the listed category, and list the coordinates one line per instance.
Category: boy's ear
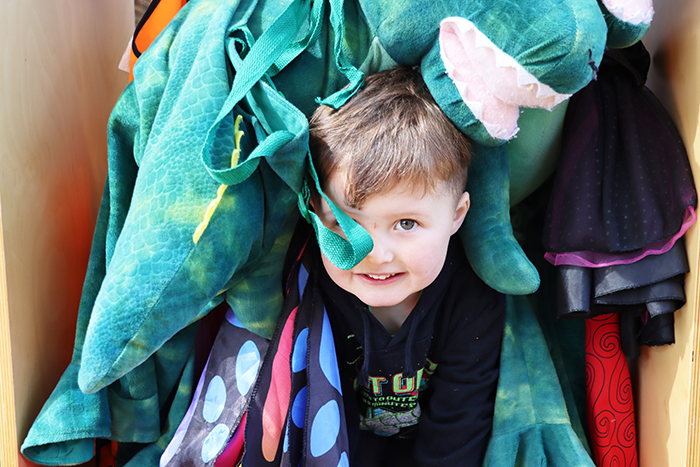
(460, 212)
(316, 202)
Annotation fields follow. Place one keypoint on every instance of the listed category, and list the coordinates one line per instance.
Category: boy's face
(411, 232)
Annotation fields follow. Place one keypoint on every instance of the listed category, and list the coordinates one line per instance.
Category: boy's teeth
(380, 278)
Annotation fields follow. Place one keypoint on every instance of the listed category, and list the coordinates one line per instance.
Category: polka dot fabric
(300, 381)
(327, 439)
(260, 391)
(221, 398)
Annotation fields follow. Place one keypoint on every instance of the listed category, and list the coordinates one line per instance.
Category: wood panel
(8, 435)
(667, 392)
(58, 84)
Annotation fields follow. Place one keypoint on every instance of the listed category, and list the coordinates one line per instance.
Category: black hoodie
(435, 380)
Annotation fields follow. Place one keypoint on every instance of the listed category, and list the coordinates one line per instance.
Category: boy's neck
(392, 317)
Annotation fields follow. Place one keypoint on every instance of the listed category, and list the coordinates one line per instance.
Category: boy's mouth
(380, 277)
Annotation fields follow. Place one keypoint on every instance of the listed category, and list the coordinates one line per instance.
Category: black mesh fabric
(624, 180)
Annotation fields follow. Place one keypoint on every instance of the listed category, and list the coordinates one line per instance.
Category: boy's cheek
(331, 269)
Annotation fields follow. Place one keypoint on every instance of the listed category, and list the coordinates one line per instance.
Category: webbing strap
(343, 253)
(267, 56)
(266, 50)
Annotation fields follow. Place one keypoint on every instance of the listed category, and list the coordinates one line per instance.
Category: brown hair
(390, 132)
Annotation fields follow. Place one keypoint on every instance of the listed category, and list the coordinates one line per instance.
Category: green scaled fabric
(531, 426)
(622, 34)
(190, 217)
(544, 36)
(183, 241)
(534, 154)
(64, 432)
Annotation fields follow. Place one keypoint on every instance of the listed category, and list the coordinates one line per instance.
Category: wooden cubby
(58, 84)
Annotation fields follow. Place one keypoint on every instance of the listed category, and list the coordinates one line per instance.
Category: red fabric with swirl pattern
(609, 395)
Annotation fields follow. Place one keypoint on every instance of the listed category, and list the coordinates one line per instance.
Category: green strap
(315, 26)
(266, 50)
(343, 253)
(355, 76)
(266, 57)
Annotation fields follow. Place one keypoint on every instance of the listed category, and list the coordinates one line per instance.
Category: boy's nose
(381, 253)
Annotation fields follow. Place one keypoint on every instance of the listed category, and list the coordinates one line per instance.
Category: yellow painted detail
(235, 155)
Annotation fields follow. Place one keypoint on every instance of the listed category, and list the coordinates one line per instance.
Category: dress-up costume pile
(207, 153)
(623, 197)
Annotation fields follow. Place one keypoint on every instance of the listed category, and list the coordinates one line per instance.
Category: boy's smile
(411, 232)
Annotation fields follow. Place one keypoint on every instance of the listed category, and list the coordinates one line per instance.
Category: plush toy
(483, 63)
(207, 154)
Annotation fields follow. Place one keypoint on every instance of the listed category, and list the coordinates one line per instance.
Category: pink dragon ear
(492, 84)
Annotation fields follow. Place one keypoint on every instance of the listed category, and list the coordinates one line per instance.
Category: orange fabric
(154, 20)
(108, 454)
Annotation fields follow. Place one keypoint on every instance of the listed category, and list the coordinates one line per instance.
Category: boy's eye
(406, 224)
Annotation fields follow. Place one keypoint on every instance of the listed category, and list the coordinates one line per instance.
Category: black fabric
(646, 308)
(655, 281)
(652, 269)
(638, 327)
(622, 188)
(663, 297)
(574, 286)
(630, 326)
(385, 451)
(457, 324)
(624, 179)
(658, 330)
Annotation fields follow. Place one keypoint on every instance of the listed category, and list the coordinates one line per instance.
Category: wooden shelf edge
(694, 406)
(693, 454)
(8, 426)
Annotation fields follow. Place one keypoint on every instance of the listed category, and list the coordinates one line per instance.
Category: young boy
(417, 333)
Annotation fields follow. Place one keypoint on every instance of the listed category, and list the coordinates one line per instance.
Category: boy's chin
(390, 302)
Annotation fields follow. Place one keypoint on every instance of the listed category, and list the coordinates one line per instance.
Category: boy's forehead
(342, 185)
(402, 193)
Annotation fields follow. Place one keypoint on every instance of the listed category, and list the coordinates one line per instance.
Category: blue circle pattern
(326, 424)
(285, 446)
(299, 408)
(303, 278)
(214, 399)
(231, 318)
(299, 353)
(214, 442)
(324, 429)
(327, 358)
(247, 364)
